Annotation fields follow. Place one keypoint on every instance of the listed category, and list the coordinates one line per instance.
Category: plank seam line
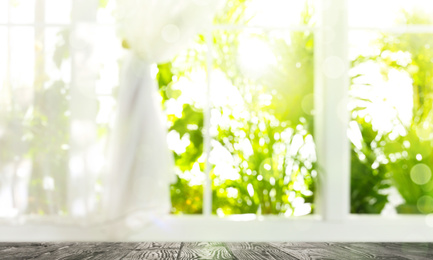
(130, 251)
(180, 250)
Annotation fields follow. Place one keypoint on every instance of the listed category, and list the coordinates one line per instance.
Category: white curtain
(50, 162)
(141, 166)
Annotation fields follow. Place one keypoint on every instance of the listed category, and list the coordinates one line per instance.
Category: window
(240, 108)
(289, 120)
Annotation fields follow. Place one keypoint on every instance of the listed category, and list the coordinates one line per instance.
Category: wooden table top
(214, 250)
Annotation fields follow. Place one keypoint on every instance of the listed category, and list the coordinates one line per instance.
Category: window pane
(22, 11)
(57, 59)
(58, 12)
(3, 61)
(22, 57)
(182, 86)
(106, 11)
(277, 13)
(392, 118)
(263, 152)
(261, 113)
(373, 13)
(34, 124)
(3, 11)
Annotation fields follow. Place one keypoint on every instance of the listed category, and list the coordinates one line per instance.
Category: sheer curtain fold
(156, 30)
(141, 167)
(51, 160)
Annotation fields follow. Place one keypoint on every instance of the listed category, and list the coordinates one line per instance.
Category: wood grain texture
(159, 245)
(397, 250)
(306, 251)
(28, 250)
(73, 251)
(201, 244)
(163, 253)
(248, 245)
(216, 250)
(115, 250)
(90, 251)
(248, 250)
(250, 254)
(154, 250)
(204, 251)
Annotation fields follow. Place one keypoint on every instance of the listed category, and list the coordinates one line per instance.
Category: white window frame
(332, 221)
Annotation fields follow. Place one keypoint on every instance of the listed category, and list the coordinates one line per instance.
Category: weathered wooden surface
(215, 250)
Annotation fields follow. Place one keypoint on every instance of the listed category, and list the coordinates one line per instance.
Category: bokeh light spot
(425, 204)
(420, 173)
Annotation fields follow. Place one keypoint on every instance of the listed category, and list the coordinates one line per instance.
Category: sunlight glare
(255, 57)
(383, 13)
(22, 11)
(176, 143)
(48, 183)
(224, 163)
(58, 11)
(275, 12)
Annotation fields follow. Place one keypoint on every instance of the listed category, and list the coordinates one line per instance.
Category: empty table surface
(215, 250)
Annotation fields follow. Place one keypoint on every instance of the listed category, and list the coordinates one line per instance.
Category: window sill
(366, 228)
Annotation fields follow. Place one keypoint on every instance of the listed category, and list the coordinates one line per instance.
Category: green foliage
(271, 172)
(280, 167)
(185, 198)
(411, 148)
(401, 169)
(102, 3)
(367, 183)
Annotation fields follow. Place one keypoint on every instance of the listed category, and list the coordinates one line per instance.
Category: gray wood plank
(368, 254)
(418, 250)
(250, 254)
(28, 250)
(151, 254)
(201, 244)
(248, 245)
(89, 251)
(73, 251)
(204, 252)
(216, 250)
(115, 250)
(387, 250)
(249, 250)
(159, 245)
(306, 251)
(298, 244)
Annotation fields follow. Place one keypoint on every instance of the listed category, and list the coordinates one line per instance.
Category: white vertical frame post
(9, 53)
(331, 96)
(207, 187)
(83, 108)
(38, 84)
